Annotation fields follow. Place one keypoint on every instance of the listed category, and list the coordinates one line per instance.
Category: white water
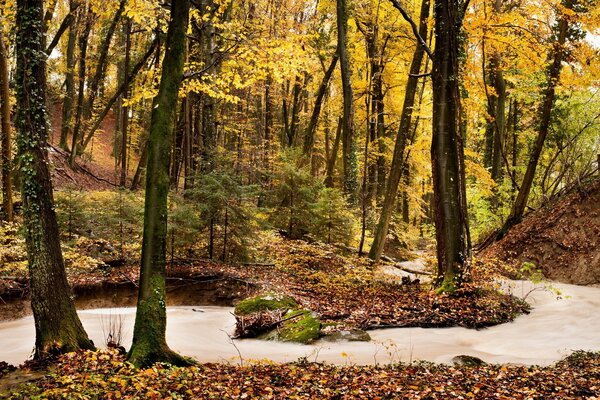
(552, 330)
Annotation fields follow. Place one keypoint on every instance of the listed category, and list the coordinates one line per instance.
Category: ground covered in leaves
(105, 375)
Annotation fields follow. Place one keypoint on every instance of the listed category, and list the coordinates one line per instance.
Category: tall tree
(447, 152)
(57, 325)
(5, 130)
(398, 160)
(309, 137)
(68, 101)
(496, 127)
(556, 57)
(149, 342)
(125, 108)
(84, 36)
(348, 140)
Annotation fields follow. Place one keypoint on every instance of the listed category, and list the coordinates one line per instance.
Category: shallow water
(552, 330)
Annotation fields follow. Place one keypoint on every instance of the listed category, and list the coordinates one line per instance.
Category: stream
(553, 329)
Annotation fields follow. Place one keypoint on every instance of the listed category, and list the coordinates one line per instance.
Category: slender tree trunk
(98, 121)
(5, 130)
(451, 223)
(149, 342)
(397, 166)
(100, 72)
(499, 119)
(333, 156)
(557, 56)
(268, 123)
(296, 91)
(178, 149)
(67, 110)
(137, 177)
(309, 137)
(83, 45)
(125, 108)
(348, 141)
(405, 207)
(57, 325)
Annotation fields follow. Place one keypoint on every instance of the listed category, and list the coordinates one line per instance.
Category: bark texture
(447, 156)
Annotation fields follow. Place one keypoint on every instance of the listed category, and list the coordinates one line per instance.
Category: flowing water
(552, 330)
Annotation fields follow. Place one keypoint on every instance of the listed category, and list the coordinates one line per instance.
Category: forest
(325, 199)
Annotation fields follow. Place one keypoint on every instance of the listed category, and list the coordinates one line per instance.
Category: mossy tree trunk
(447, 156)
(57, 325)
(149, 342)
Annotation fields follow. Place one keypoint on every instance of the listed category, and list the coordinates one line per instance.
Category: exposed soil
(95, 169)
(563, 239)
(190, 290)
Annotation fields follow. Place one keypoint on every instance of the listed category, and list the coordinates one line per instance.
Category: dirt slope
(96, 169)
(562, 239)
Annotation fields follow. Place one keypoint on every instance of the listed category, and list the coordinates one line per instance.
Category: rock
(265, 302)
(469, 361)
(352, 335)
(300, 326)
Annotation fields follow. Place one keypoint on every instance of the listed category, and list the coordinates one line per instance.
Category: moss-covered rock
(300, 326)
(265, 302)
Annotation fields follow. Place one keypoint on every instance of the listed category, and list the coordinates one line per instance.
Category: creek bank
(193, 289)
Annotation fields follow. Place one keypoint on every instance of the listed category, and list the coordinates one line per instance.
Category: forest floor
(562, 238)
(105, 375)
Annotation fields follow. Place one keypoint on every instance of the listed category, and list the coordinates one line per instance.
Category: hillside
(563, 239)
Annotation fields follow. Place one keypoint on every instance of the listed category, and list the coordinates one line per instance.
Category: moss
(449, 284)
(266, 302)
(304, 328)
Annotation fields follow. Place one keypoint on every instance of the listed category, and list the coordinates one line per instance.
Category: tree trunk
(100, 72)
(333, 156)
(5, 129)
(268, 123)
(83, 45)
(348, 141)
(125, 108)
(447, 157)
(557, 56)
(149, 343)
(137, 177)
(67, 110)
(309, 137)
(57, 325)
(397, 166)
(98, 121)
(297, 90)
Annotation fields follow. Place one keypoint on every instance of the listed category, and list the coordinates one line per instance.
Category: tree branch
(414, 27)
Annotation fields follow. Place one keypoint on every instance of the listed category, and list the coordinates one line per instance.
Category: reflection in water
(553, 329)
